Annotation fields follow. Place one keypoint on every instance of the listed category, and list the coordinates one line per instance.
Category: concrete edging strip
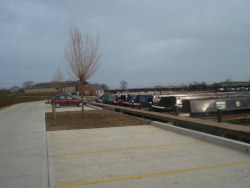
(240, 146)
(45, 162)
(99, 108)
(50, 168)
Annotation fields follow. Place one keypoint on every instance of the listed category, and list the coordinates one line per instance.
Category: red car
(66, 100)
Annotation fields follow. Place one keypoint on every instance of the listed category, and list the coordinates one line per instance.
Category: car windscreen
(62, 97)
(70, 97)
(56, 97)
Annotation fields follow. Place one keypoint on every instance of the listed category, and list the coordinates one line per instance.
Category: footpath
(23, 147)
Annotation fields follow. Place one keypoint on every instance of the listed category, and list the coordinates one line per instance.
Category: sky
(147, 43)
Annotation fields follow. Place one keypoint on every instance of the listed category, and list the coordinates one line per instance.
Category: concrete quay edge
(240, 146)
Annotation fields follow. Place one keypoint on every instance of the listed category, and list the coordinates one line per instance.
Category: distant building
(48, 87)
(92, 90)
(67, 86)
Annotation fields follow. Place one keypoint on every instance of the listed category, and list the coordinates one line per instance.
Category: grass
(3, 95)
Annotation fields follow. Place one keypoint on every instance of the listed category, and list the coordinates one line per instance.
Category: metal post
(150, 106)
(54, 110)
(219, 115)
(176, 110)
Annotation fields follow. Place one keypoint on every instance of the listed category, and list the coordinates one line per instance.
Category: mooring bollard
(219, 115)
(54, 110)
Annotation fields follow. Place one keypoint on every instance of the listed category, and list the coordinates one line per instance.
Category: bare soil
(90, 119)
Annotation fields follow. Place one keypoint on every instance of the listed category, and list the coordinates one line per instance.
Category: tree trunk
(54, 111)
(82, 84)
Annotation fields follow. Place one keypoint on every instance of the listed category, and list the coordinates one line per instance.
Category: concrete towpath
(23, 148)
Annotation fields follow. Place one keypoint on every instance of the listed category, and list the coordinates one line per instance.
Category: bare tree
(228, 82)
(123, 84)
(104, 86)
(15, 89)
(57, 80)
(27, 84)
(83, 55)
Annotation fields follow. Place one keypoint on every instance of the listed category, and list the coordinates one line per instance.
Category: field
(9, 100)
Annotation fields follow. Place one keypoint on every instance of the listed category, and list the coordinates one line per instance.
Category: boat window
(142, 99)
(221, 104)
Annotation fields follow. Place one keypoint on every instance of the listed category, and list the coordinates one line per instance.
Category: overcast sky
(145, 42)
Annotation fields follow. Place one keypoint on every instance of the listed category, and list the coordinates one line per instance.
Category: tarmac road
(23, 148)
